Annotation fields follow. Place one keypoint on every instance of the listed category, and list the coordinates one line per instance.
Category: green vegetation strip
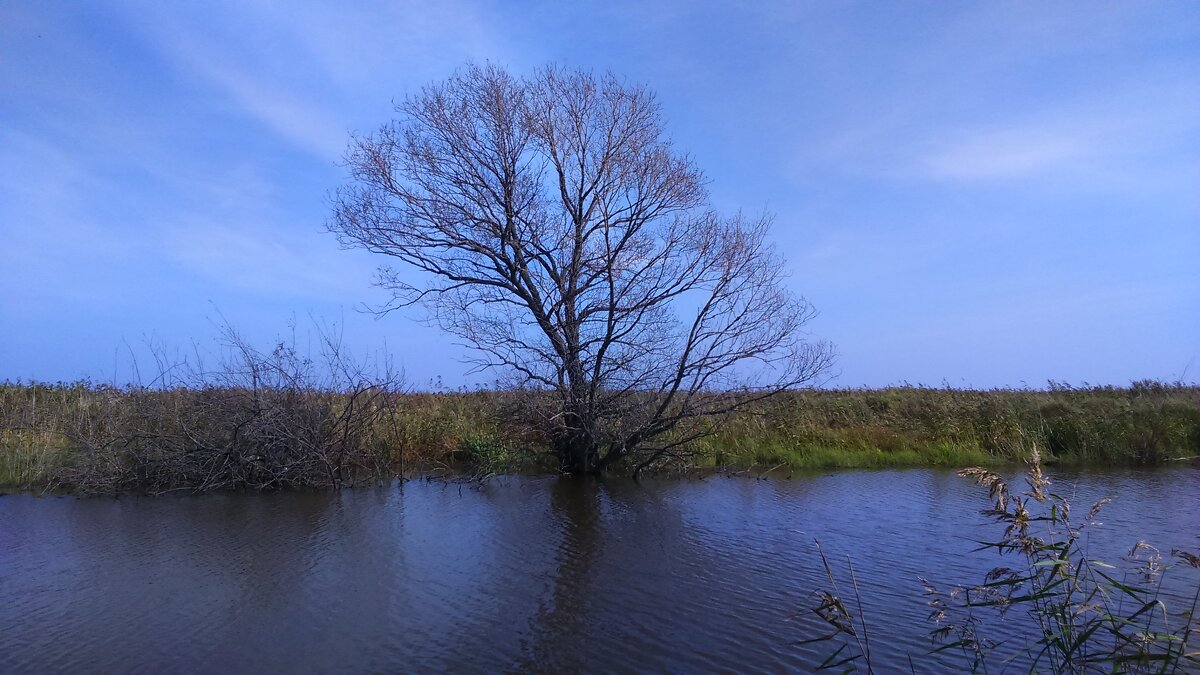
(48, 430)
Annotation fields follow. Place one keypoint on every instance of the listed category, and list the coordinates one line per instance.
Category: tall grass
(1146, 423)
(51, 434)
(44, 428)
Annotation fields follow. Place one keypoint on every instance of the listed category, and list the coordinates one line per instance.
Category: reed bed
(49, 431)
(1146, 423)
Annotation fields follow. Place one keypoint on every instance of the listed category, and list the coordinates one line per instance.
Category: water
(541, 574)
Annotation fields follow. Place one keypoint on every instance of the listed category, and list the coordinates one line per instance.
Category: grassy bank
(1147, 423)
(49, 433)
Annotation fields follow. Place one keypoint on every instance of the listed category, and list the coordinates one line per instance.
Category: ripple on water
(538, 574)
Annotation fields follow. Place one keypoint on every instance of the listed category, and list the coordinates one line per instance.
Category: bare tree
(565, 240)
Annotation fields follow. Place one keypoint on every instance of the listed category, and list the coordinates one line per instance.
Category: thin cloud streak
(249, 259)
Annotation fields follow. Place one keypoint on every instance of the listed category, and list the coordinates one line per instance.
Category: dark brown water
(521, 574)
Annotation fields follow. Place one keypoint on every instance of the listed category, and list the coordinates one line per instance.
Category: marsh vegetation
(292, 432)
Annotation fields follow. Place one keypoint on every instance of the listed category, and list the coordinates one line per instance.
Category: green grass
(772, 453)
(1146, 423)
(22, 465)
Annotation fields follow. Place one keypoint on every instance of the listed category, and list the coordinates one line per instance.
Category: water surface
(542, 574)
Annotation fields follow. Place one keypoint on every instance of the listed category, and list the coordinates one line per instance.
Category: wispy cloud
(1014, 91)
(1102, 142)
(1008, 153)
(252, 258)
(1088, 139)
(293, 116)
(53, 233)
(309, 69)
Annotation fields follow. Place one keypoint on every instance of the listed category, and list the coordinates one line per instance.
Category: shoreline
(466, 474)
(99, 439)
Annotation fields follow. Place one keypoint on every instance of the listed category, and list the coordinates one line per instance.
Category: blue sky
(976, 194)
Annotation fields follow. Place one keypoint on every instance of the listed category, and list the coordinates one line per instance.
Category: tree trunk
(577, 452)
